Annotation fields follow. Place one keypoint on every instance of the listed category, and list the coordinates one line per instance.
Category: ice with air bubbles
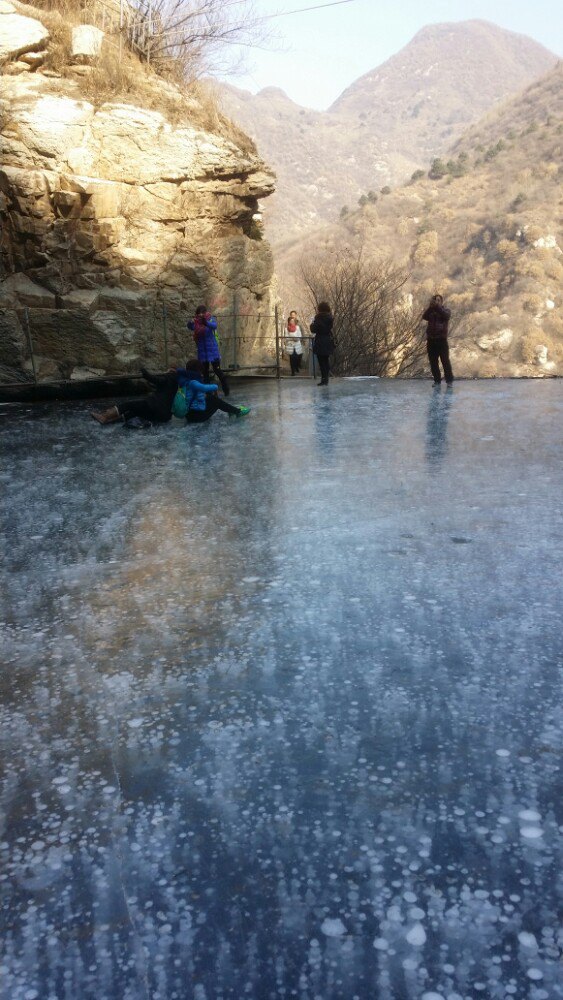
(280, 706)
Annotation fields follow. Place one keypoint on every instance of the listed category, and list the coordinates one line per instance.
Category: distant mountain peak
(480, 57)
(387, 124)
(274, 93)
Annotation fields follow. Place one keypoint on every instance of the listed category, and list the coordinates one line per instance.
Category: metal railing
(249, 343)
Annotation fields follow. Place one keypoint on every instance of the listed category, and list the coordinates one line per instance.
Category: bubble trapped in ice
(358, 776)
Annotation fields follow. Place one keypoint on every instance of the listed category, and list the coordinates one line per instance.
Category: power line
(285, 13)
(303, 10)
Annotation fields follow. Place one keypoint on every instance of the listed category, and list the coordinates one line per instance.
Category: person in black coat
(438, 318)
(323, 344)
(156, 408)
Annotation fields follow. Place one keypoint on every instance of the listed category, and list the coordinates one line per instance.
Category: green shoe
(243, 410)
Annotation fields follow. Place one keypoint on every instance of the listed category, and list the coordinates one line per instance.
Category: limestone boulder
(82, 298)
(54, 124)
(44, 369)
(84, 372)
(14, 349)
(542, 358)
(34, 59)
(496, 341)
(86, 43)
(18, 289)
(19, 34)
(100, 199)
(17, 68)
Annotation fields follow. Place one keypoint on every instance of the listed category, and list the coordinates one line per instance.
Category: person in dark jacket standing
(156, 408)
(323, 344)
(438, 318)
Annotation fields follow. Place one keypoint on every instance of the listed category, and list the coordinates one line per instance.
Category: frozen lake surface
(281, 698)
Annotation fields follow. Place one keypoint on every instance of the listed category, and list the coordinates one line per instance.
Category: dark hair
(193, 365)
(201, 310)
(438, 296)
(323, 307)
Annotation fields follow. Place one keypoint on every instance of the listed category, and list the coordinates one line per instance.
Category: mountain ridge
(376, 135)
(485, 231)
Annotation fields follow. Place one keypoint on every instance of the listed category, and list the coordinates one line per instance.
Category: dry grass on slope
(118, 74)
(541, 103)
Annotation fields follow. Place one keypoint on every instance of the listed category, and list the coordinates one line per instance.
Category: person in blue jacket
(202, 400)
(204, 326)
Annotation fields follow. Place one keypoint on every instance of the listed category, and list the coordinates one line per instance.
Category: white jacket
(293, 341)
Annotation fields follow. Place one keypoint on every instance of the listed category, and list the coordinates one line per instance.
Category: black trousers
(438, 350)
(212, 404)
(145, 410)
(324, 365)
(295, 362)
(216, 365)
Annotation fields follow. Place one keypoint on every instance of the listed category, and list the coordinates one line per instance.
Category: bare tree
(377, 324)
(194, 34)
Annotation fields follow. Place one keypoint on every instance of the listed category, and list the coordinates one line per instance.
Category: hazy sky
(319, 53)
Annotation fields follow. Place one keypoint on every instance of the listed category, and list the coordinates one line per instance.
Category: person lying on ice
(155, 409)
(201, 399)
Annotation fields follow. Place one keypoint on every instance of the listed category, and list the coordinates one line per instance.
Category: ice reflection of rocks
(265, 731)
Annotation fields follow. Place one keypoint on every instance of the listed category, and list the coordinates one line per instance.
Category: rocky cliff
(118, 216)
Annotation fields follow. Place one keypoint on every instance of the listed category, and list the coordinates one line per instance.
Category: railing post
(235, 329)
(30, 344)
(165, 334)
(277, 318)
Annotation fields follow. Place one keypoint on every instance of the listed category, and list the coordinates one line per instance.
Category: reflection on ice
(281, 700)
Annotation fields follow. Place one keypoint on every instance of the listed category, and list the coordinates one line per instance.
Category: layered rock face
(116, 224)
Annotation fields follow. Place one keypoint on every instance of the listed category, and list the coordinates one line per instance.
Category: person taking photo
(437, 318)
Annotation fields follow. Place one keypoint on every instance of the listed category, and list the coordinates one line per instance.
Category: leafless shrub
(377, 325)
(111, 78)
(186, 38)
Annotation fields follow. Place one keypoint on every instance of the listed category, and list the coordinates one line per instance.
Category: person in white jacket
(293, 342)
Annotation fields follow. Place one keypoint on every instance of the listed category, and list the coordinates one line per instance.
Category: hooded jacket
(204, 327)
(195, 390)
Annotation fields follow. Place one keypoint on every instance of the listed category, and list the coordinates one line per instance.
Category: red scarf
(200, 325)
